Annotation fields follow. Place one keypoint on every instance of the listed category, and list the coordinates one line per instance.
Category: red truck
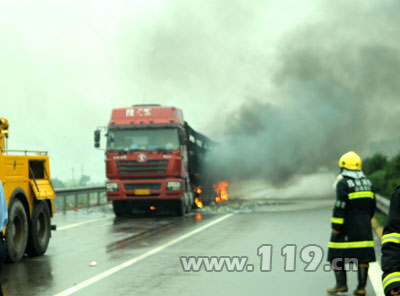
(154, 159)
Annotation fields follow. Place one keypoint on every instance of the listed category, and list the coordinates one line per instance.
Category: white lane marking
(375, 276)
(132, 261)
(77, 224)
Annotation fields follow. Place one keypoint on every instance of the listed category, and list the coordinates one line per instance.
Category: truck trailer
(29, 195)
(154, 159)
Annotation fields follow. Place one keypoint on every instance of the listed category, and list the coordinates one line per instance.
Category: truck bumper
(145, 190)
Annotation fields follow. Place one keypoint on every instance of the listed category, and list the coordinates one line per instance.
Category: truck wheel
(39, 234)
(189, 205)
(180, 208)
(187, 209)
(186, 204)
(122, 208)
(17, 231)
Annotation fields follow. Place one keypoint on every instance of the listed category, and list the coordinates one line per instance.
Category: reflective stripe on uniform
(337, 220)
(351, 245)
(361, 194)
(391, 278)
(391, 238)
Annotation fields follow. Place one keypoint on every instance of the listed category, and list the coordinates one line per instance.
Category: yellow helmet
(351, 161)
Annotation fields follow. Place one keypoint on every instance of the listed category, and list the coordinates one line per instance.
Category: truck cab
(149, 160)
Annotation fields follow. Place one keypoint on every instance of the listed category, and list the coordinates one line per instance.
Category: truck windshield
(143, 139)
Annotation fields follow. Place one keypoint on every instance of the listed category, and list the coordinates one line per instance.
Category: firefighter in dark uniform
(391, 247)
(351, 238)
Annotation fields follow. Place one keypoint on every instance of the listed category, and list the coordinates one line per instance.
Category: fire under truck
(29, 195)
(154, 159)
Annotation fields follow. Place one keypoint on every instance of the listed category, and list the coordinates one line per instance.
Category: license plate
(142, 191)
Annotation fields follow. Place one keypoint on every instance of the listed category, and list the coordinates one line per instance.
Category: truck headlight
(174, 185)
(112, 187)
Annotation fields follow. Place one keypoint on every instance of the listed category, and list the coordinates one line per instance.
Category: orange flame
(198, 202)
(197, 190)
(222, 193)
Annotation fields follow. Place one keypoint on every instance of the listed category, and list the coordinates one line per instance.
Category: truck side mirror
(97, 138)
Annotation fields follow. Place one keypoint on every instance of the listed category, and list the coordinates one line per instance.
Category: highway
(94, 253)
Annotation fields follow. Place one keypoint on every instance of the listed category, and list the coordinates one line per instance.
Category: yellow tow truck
(29, 194)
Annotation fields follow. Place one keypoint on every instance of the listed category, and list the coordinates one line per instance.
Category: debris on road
(93, 264)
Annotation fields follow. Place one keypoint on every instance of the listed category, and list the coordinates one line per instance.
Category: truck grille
(154, 186)
(132, 167)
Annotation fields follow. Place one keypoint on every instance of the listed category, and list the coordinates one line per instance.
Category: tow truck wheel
(17, 231)
(39, 234)
(122, 208)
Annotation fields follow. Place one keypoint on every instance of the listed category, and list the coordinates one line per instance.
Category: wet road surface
(140, 255)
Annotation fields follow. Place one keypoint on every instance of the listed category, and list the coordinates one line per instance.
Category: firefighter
(391, 247)
(351, 239)
(3, 223)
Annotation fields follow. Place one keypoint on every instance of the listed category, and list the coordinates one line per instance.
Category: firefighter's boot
(362, 279)
(341, 282)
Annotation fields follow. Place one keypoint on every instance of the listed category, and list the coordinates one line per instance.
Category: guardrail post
(76, 200)
(88, 199)
(98, 198)
(64, 203)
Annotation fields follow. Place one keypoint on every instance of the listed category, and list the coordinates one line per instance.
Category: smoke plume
(335, 88)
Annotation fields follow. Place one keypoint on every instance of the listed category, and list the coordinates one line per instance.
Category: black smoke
(336, 88)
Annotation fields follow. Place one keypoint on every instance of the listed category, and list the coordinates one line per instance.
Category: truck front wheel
(189, 202)
(17, 231)
(180, 208)
(39, 234)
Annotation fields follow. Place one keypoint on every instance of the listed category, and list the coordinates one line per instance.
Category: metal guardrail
(382, 204)
(81, 197)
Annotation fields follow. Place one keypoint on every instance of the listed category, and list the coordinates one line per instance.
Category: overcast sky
(65, 64)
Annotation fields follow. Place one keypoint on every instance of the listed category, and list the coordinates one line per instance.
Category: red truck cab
(147, 159)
